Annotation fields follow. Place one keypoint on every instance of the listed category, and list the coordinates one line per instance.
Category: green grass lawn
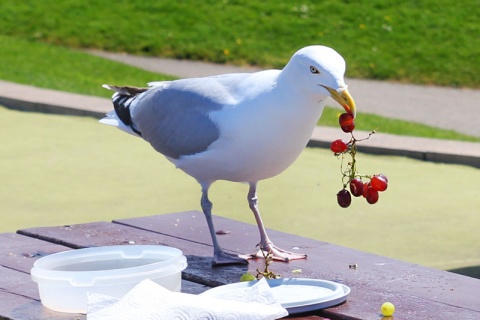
(64, 170)
(55, 67)
(75, 71)
(428, 41)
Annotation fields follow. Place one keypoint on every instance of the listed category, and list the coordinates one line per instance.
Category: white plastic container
(64, 278)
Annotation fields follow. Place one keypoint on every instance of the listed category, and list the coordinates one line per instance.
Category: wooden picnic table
(418, 292)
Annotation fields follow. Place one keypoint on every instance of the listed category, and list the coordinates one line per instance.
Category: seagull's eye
(314, 70)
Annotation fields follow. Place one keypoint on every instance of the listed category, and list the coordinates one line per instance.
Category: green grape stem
(350, 172)
(266, 273)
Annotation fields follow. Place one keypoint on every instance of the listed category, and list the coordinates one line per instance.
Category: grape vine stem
(351, 171)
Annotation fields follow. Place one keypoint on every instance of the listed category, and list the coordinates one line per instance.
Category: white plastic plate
(294, 294)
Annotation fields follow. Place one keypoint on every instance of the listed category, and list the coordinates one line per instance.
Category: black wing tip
(121, 105)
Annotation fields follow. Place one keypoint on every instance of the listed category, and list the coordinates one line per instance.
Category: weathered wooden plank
(19, 298)
(375, 280)
(104, 234)
(193, 287)
(95, 234)
(18, 283)
(191, 225)
(19, 252)
(417, 290)
(361, 304)
(21, 308)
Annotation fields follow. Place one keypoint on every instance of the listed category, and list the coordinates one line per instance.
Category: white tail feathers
(111, 119)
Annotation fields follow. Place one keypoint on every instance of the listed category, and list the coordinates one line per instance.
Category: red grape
(346, 122)
(345, 119)
(356, 187)
(365, 188)
(379, 182)
(338, 146)
(349, 128)
(372, 195)
(383, 176)
(343, 198)
(370, 190)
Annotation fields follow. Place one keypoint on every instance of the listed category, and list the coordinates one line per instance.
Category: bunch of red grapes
(351, 178)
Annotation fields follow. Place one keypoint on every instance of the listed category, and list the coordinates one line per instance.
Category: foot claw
(223, 258)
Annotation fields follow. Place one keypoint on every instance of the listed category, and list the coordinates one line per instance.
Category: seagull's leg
(265, 243)
(219, 256)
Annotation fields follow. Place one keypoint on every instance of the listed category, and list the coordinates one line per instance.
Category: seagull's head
(320, 70)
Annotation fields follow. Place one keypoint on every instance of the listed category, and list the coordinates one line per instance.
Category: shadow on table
(473, 271)
(200, 271)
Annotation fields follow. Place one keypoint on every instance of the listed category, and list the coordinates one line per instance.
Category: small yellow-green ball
(247, 277)
(387, 309)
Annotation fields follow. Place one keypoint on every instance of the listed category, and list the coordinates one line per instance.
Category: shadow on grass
(473, 272)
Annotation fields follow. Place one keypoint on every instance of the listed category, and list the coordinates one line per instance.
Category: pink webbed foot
(279, 254)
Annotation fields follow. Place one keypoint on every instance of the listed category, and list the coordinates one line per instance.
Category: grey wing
(175, 120)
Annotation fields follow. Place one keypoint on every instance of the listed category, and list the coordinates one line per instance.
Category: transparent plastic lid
(102, 265)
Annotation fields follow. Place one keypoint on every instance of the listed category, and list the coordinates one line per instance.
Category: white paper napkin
(148, 300)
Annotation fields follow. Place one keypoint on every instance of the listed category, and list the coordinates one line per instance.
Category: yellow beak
(344, 99)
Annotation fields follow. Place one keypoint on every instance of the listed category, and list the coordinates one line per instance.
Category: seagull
(239, 127)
